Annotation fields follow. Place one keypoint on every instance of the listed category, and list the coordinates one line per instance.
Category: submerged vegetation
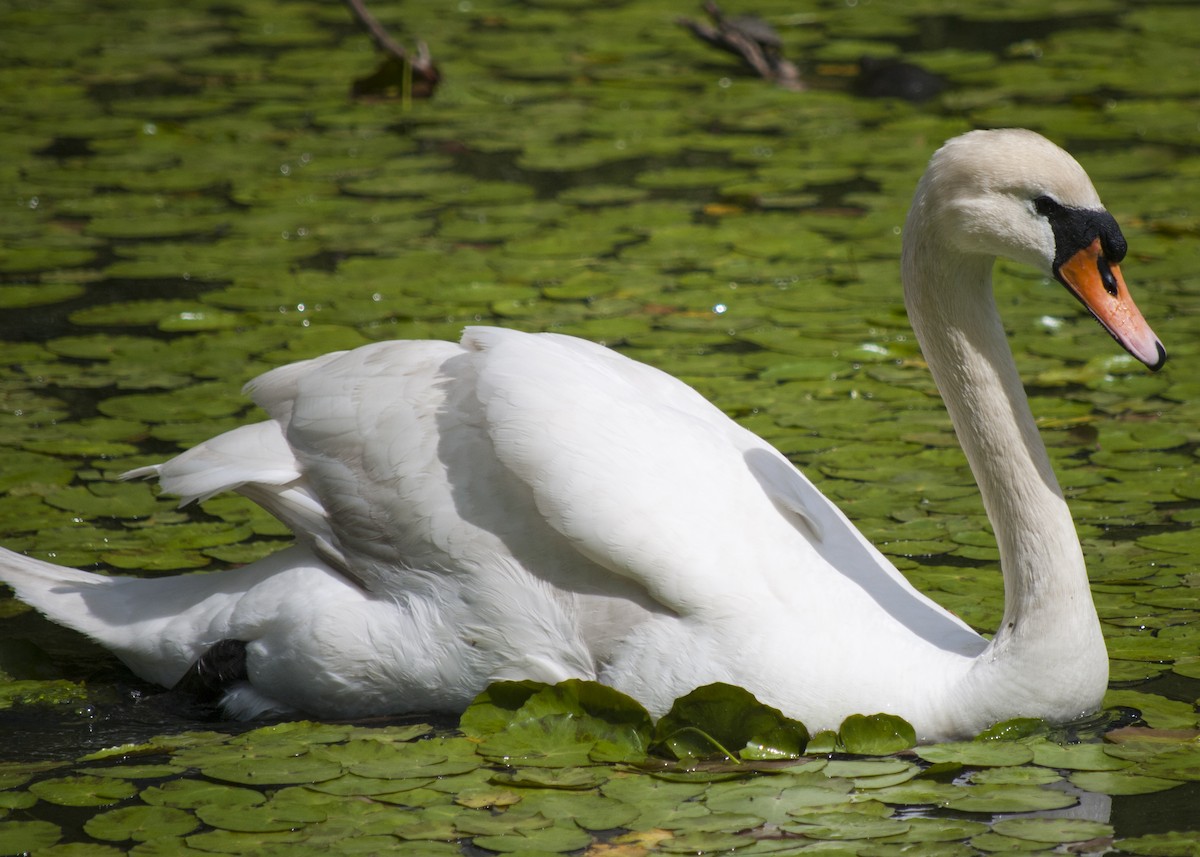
(193, 196)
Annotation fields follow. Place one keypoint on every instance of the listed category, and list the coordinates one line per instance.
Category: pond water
(191, 196)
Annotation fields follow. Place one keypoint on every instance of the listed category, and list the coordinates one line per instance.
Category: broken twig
(752, 39)
(415, 76)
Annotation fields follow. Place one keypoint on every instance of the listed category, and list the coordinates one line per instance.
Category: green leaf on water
(1122, 782)
(994, 799)
(847, 826)
(567, 723)
(1182, 843)
(1157, 711)
(552, 778)
(776, 802)
(264, 818)
(1054, 830)
(140, 823)
(437, 757)
(83, 790)
(1076, 757)
(21, 837)
(876, 734)
(718, 720)
(977, 753)
(1012, 730)
(1026, 775)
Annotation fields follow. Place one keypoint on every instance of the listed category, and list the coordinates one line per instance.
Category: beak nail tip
(1162, 356)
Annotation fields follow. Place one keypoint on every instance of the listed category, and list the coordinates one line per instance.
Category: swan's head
(1013, 193)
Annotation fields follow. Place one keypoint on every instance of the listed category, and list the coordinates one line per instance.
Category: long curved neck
(1050, 622)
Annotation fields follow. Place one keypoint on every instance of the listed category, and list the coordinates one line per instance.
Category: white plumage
(536, 506)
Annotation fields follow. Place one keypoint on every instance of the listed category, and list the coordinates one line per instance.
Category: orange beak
(1100, 287)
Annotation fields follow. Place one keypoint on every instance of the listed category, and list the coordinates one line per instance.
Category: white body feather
(535, 506)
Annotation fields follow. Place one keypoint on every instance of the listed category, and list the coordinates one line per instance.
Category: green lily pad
(83, 790)
(15, 296)
(876, 735)
(115, 499)
(977, 753)
(1076, 757)
(567, 724)
(1055, 830)
(140, 823)
(552, 778)
(255, 769)
(1157, 711)
(1122, 782)
(777, 803)
(1005, 798)
(719, 720)
(920, 793)
(263, 818)
(587, 809)
(134, 772)
(20, 837)
(1029, 775)
(703, 842)
(401, 760)
(847, 826)
(1171, 844)
(1012, 730)
(991, 843)
(191, 794)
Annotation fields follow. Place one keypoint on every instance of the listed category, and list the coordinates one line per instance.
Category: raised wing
(651, 481)
(638, 471)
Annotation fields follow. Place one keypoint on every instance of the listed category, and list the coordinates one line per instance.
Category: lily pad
(268, 770)
(977, 754)
(877, 734)
(83, 790)
(566, 724)
(20, 837)
(1055, 830)
(140, 823)
(1005, 798)
(723, 720)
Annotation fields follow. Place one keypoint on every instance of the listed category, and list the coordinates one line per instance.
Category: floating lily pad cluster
(544, 770)
(192, 197)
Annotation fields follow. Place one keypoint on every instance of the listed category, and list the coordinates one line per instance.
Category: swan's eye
(1046, 207)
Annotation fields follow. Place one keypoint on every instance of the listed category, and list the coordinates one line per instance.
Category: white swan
(535, 506)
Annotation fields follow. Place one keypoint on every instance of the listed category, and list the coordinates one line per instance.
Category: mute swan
(536, 506)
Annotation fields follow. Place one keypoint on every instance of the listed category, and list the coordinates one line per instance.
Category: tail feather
(255, 461)
(252, 454)
(157, 626)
